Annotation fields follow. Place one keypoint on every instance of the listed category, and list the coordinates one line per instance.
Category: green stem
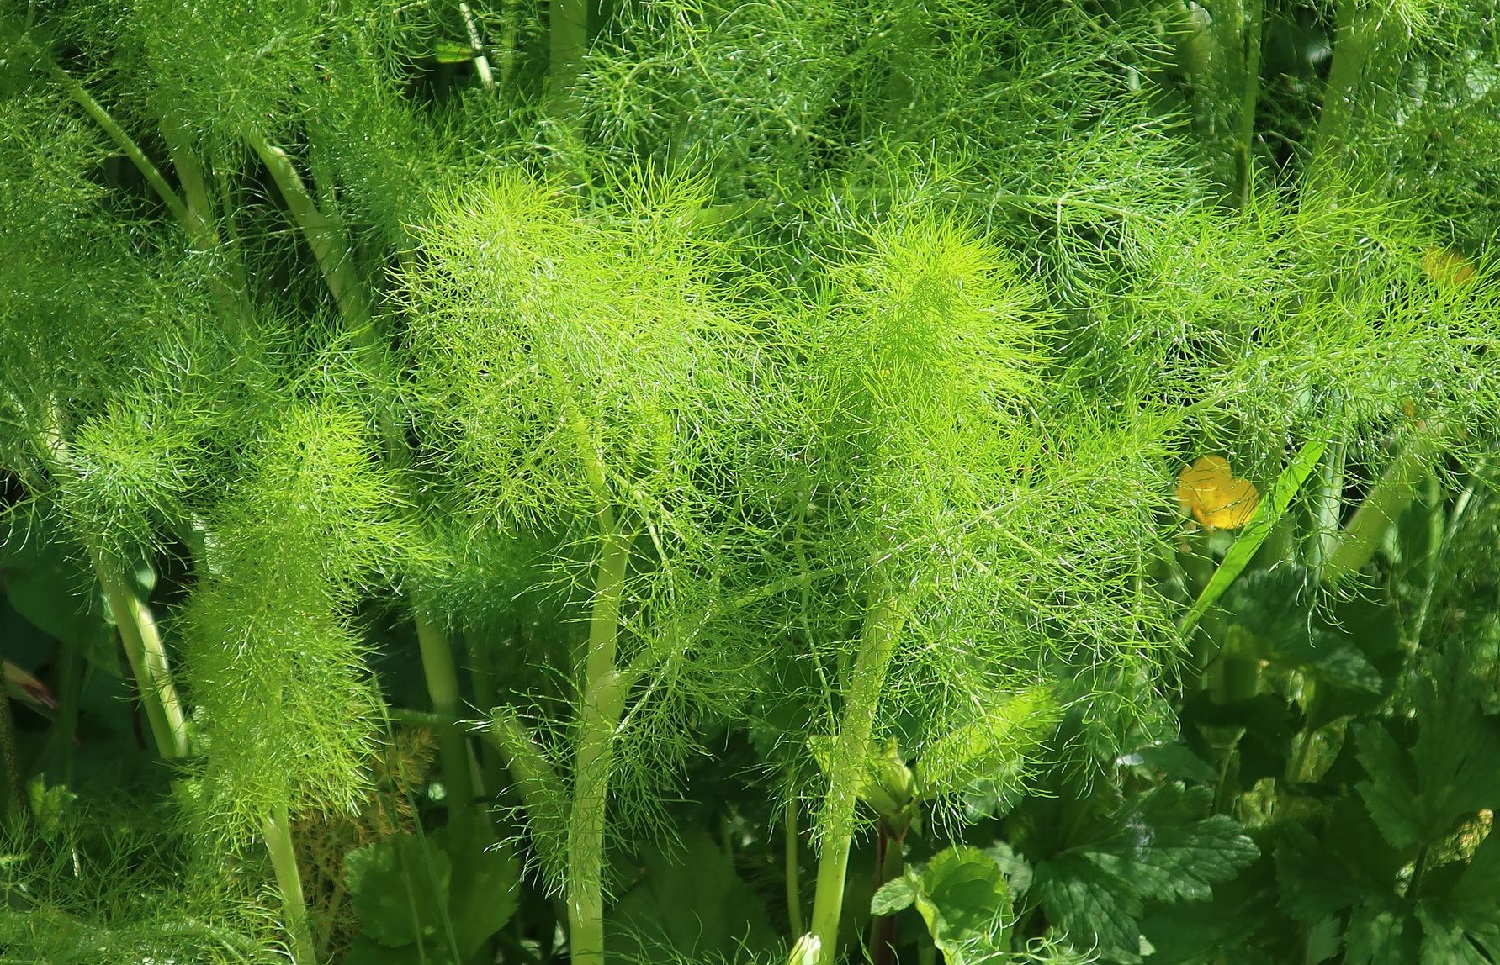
(122, 140)
(850, 763)
(202, 233)
(1212, 54)
(793, 866)
(482, 681)
(602, 707)
(324, 231)
(536, 781)
(443, 691)
(1385, 502)
(476, 46)
(1368, 43)
(147, 658)
(1442, 535)
(1327, 497)
(278, 836)
(1250, 94)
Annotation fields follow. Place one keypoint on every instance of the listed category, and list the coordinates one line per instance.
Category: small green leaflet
(963, 897)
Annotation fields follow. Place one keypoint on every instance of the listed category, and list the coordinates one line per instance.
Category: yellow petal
(1230, 507)
(1201, 480)
(1217, 500)
(1447, 268)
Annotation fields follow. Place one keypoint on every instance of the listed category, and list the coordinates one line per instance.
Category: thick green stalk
(850, 763)
(1249, 99)
(793, 863)
(278, 835)
(1212, 53)
(1367, 53)
(443, 691)
(602, 706)
(229, 285)
(137, 627)
(1359, 22)
(122, 140)
(1327, 496)
(324, 231)
(1387, 499)
(147, 658)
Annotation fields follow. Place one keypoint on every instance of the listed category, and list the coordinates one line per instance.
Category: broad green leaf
(363, 951)
(399, 886)
(962, 895)
(966, 904)
(1415, 795)
(895, 895)
(50, 585)
(1459, 924)
(688, 901)
(1256, 530)
(1158, 847)
(1390, 793)
(1193, 933)
(484, 888)
(1379, 936)
(1015, 868)
(1314, 882)
(1445, 939)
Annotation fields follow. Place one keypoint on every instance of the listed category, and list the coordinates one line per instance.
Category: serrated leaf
(894, 896)
(1468, 916)
(1389, 794)
(1160, 848)
(399, 886)
(483, 897)
(1446, 940)
(963, 897)
(1092, 907)
(690, 902)
(1313, 882)
(1192, 934)
(1016, 869)
(1416, 795)
(1378, 936)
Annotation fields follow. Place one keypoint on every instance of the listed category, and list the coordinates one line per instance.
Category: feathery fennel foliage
(751, 412)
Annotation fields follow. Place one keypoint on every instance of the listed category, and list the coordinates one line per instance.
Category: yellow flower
(1447, 269)
(1214, 496)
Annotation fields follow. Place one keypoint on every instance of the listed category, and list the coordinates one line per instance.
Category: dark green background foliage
(545, 480)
